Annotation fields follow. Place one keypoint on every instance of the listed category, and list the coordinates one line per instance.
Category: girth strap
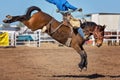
(48, 26)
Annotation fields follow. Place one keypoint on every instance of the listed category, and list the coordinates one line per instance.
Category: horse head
(91, 28)
(37, 21)
(98, 34)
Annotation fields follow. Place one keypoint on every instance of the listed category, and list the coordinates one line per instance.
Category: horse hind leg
(10, 19)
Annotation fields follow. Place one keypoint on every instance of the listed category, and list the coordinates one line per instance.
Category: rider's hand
(57, 10)
(80, 9)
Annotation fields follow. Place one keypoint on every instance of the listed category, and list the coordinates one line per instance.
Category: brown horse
(59, 31)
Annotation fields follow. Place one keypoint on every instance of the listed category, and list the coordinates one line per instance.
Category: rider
(64, 5)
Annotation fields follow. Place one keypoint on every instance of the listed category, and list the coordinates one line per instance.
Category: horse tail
(30, 10)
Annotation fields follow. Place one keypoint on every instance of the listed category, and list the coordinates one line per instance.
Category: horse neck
(93, 28)
(89, 26)
(89, 29)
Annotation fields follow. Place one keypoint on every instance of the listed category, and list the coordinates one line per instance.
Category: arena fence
(29, 39)
(112, 37)
(37, 37)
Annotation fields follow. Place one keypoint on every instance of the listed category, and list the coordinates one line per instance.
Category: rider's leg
(84, 36)
(80, 31)
(65, 19)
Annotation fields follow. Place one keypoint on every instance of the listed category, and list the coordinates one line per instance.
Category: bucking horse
(60, 32)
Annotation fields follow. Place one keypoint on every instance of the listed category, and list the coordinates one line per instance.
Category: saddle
(74, 22)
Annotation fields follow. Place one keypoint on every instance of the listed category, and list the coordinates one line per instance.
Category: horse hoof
(82, 67)
(5, 21)
(85, 68)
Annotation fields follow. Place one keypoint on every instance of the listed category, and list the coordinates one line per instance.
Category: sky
(19, 7)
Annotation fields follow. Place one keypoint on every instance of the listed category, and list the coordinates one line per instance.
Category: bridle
(97, 35)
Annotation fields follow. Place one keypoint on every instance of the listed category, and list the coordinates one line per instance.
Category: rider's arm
(68, 5)
(51, 1)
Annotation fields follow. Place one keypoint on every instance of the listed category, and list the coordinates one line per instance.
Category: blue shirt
(62, 5)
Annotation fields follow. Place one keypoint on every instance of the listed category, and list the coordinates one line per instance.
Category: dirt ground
(50, 62)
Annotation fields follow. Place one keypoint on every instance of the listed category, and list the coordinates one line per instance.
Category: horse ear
(104, 26)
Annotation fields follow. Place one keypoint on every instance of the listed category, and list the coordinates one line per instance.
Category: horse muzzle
(98, 45)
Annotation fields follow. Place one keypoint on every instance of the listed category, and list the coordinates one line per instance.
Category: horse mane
(29, 11)
(85, 24)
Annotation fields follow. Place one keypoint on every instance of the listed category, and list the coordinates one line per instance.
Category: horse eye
(102, 33)
(96, 38)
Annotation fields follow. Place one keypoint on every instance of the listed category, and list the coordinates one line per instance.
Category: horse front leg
(83, 62)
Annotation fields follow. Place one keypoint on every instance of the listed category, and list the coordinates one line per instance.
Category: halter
(95, 33)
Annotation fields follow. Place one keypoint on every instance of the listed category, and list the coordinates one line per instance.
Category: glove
(57, 10)
(80, 9)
